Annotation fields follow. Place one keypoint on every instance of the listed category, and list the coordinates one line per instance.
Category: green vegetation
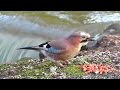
(73, 71)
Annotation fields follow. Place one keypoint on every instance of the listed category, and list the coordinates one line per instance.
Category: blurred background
(27, 28)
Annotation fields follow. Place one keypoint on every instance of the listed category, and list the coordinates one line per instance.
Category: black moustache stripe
(84, 40)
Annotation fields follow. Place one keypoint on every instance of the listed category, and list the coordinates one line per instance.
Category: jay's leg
(41, 56)
(58, 63)
(61, 64)
(66, 62)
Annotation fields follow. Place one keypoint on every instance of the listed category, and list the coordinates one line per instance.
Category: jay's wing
(59, 46)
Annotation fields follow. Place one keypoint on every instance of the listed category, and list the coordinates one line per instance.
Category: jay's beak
(91, 39)
(88, 39)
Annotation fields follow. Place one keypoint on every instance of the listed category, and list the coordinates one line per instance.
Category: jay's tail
(30, 48)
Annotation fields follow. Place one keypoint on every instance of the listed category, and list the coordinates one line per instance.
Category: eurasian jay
(62, 49)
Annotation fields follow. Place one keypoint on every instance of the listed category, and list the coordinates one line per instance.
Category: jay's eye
(83, 37)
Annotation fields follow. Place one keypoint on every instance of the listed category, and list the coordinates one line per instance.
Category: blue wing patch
(49, 48)
(53, 50)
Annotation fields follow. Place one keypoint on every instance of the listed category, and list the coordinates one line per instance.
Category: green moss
(38, 70)
(45, 65)
(23, 61)
(31, 69)
(73, 71)
(4, 66)
(29, 72)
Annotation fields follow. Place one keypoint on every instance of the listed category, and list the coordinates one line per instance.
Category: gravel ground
(108, 52)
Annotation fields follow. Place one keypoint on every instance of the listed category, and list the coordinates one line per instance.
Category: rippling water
(18, 29)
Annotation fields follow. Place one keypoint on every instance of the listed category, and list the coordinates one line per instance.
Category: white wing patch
(45, 46)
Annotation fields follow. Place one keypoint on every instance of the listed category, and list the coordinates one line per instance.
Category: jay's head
(79, 37)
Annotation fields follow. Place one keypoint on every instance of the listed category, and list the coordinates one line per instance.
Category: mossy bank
(27, 68)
